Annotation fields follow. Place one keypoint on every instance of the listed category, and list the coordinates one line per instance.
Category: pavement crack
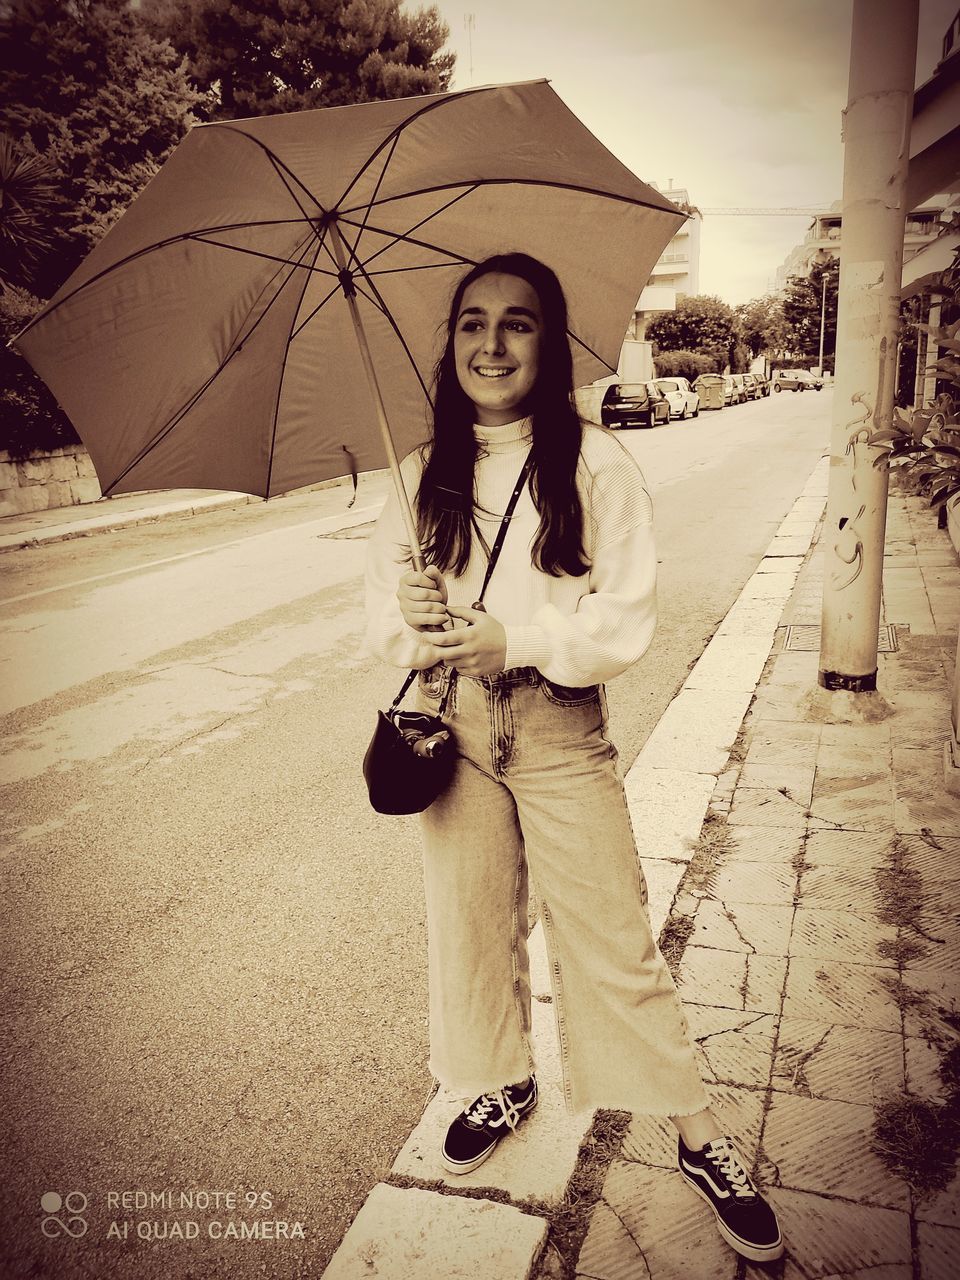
(736, 928)
(742, 1026)
(744, 990)
(175, 746)
(799, 1080)
(636, 1242)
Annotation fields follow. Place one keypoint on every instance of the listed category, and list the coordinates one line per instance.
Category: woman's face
(496, 346)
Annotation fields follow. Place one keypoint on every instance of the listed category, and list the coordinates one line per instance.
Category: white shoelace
(480, 1112)
(726, 1159)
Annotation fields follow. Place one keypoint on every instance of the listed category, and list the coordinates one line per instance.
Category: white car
(684, 402)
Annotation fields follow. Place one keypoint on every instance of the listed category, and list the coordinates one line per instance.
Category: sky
(739, 101)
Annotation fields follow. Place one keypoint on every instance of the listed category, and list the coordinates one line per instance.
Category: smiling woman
(536, 790)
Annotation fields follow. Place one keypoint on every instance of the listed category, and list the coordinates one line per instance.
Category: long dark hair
(445, 499)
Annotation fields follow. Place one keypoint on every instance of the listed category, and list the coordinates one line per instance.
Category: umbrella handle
(336, 243)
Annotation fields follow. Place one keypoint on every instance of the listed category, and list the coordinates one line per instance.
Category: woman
(571, 603)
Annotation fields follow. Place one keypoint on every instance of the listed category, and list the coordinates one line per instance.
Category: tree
(763, 327)
(260, 57)
(702, 323)
(27, 197)
(85, 86)
(801, 310)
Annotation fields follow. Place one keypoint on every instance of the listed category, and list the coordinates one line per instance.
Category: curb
(405, 1232)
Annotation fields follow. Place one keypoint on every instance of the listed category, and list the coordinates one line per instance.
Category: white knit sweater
(576, 631)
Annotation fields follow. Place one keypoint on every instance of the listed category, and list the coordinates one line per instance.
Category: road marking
(333, 522)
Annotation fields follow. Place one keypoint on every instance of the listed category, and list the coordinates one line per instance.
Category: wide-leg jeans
(538, 790)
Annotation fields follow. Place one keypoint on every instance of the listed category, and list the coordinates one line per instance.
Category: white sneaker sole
(756, 1253)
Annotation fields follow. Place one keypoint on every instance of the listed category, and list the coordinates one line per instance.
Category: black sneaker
(745, 1220)
(476, 1131)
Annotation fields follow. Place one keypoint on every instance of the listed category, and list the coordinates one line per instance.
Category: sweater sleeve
(614, 621)
(388, 556)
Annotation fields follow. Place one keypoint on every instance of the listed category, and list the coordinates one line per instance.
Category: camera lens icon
(73, 1204)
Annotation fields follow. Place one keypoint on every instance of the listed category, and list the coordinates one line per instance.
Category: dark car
(631, 404)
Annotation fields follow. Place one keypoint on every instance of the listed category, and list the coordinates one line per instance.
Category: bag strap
(491, 562)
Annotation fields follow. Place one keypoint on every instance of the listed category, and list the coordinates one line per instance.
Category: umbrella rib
(524, 182)
(185, 408)
(383, 173)
(416, 226)
(256, 253)
(590, 351)
(283, 366)
(400, 338)
(277, 164)
(319, 307)
(196, 236)
(394, 135)
(422, 244)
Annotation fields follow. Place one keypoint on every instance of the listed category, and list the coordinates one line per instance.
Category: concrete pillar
(876, 156)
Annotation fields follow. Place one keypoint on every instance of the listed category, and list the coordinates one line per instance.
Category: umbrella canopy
(207, 341)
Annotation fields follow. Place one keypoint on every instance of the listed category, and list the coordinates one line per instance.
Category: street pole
(877, 123)
(823, 318)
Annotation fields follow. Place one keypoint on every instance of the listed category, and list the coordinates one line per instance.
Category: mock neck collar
(509, 438)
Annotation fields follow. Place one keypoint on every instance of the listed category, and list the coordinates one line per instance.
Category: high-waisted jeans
(538, 785)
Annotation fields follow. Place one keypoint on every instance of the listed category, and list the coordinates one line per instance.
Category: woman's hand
(478, 649)
(423, 599)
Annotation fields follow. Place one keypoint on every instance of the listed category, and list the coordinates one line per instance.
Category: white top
(576, 631)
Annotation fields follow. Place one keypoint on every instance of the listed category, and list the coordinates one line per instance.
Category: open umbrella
(229, 329)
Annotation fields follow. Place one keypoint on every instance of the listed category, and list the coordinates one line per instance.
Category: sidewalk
(59, 524)
(806, 885)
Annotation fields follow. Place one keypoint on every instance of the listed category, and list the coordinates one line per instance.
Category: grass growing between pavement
(918, 1139)
(570, 1221)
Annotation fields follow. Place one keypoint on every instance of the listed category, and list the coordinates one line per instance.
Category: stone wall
(61, 478)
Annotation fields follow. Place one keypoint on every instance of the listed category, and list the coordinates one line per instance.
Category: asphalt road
(214, 953)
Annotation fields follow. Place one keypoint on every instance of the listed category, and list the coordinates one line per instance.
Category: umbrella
(229, 329)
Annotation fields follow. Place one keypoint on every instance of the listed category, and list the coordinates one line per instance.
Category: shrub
(30, 418)
(683, 364)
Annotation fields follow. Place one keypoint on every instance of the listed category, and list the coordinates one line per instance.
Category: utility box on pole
(876, 157)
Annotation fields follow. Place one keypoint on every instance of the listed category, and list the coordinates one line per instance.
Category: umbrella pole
(349, 292)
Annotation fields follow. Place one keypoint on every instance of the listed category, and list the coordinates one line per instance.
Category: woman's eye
(521, 326)
(470, 326)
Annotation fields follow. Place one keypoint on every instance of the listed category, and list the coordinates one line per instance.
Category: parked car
(730, 393)
(796, 380)
(630, 404)
(753, 387)
(763, 383)
(683, 400)
(741, 387)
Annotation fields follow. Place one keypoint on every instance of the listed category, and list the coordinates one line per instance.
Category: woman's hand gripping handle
(423, 599)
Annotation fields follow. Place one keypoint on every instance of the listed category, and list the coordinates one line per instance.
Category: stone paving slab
(736, 926)
(754, 882)
(939, 1249)
(653, 1226)
(921, 801)
(696, 731)
(856, 801)
(939, 1009)
(735, 1048)
(412, 1234)
(844, 888)
(852, 849)
(766, 807)
(795, 780)
(941, 1208)
(666, 809)
(936, 858)
(735, 981)
(796, 1130)
(792, 744)
(834, 1240)
(721, 670)
(843, 1064)
(763, 844)
(838, 935)
(852, 995)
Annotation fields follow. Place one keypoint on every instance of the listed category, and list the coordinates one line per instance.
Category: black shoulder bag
(412, 754)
